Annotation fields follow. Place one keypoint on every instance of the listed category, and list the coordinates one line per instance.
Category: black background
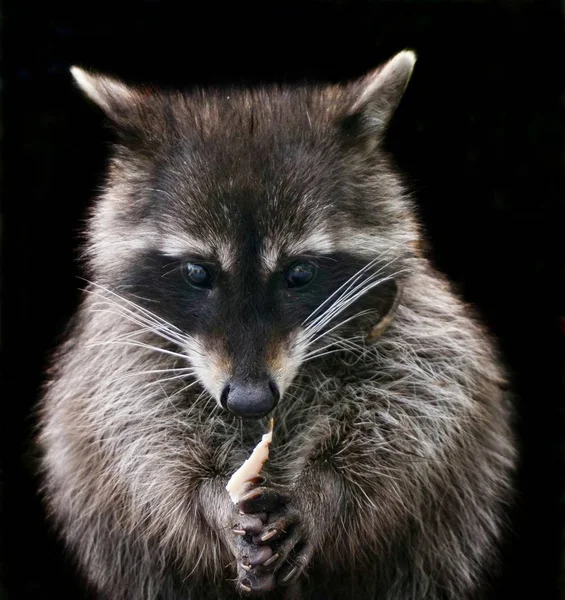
(480, 134)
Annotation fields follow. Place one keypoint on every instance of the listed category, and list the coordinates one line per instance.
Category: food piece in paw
(251, 467)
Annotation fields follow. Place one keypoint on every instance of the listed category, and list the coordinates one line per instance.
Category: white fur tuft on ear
(111, 95)
(379, 93)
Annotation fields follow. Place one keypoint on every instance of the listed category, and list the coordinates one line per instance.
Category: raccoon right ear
(376, 97)
(118, 100)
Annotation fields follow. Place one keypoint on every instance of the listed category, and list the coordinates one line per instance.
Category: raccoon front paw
(255, 557)
(274, 546)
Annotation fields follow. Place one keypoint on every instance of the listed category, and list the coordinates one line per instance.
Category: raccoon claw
(252, 566)
(260, 500)
(253, 482)
(250, 524)
(276, 528)
(259, 556)
(297, 559)
(252, 584)
(289, 576)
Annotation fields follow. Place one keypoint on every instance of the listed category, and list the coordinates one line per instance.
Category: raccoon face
(262, 226)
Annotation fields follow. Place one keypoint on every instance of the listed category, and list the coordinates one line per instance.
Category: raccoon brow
(318, 259)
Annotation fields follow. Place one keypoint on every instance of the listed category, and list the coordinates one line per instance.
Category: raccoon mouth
(250, 399)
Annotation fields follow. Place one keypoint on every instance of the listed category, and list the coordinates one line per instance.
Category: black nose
(250, 399)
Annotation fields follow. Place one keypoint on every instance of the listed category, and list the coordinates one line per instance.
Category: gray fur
(398, 450)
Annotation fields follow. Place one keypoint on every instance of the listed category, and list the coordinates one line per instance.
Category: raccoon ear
(387, 310)
(376, 96)
(115, 98)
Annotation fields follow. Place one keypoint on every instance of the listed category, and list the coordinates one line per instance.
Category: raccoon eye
(300, 274)
(197, 275)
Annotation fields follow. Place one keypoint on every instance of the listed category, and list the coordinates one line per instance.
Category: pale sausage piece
(251, 467)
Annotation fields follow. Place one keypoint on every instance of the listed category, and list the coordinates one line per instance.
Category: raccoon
(254, 252)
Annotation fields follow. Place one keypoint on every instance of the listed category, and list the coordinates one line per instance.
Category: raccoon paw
(254, 573)
(273, 546)
(255, 557)
(289, 542)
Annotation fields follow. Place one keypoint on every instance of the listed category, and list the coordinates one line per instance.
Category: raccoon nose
(250, 399)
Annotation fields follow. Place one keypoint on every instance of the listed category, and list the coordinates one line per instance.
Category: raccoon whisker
(361, 313)
(162, 380)
(139, 345)
(177, 268)
(184, 388)
(329, 316)
(140, 319)
(173, 262)
(138, 308)
(339, 345)
(132, 335)
(186, 372)
(350, 295)
(114, 309)
(349, 282)
(343, 343)
(155, 330)
(155, 371)
(343, 303)
(354, 290)
(138, 314)
(314, 355)
(147, 326)
(182, 342)
(144, 298)
(149, 314)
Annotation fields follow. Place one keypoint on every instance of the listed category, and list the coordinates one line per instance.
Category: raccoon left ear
(114, 97)
(387, 310)
(376, 97)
